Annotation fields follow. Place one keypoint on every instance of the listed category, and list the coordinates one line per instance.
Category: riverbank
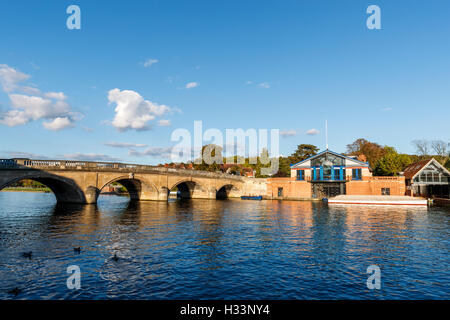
(21, 189)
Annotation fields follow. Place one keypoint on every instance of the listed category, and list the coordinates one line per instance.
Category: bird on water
(115, 258)
(28, 254)
(15, 291)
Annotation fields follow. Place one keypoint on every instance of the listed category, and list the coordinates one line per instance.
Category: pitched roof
(416, 167)
(332, 152)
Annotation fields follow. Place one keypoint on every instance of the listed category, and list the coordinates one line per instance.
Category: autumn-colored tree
(373, 151)
(447, 164)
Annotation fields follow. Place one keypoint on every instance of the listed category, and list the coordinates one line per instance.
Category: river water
(228, 249)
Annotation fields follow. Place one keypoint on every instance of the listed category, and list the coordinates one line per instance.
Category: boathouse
(329, 174)
(427, 178)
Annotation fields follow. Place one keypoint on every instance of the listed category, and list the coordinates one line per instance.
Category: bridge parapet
(70, 165)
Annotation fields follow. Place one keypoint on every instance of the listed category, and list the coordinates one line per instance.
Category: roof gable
(355, 161)
(414, 169)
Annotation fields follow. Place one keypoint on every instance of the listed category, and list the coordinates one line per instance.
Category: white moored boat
(378, 200)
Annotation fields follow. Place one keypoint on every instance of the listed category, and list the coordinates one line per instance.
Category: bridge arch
(138, 188)
(65, 189)
(227, 190)
(188, 188)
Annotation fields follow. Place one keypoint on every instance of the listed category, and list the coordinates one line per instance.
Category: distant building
(237, 169)
(188, 166)
(329, 174)
(230, 168)
(427, 178)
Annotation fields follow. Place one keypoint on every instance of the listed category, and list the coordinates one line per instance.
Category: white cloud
(164, 123)
(21, 154)
(56, 95)
(387, 109)
(132, 111)
(58, 124)
(10, 77)
(14, 118)
(147, 63)
(288, 133)
(125, 145)
(161, 152)
(191, 85)
(33, 105)
(312, 132)
(90, 157)
(264, 85)
(30, 90)
(249, 82)
(29, 108)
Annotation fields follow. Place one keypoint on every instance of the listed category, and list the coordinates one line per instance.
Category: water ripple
(232, 249)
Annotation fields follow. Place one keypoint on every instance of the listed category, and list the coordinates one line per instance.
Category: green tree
(263, 161)
(304, 151)
(210, 153)
(392, 163)
(284, 168)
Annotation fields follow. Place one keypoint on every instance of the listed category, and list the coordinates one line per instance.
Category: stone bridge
(82, 181)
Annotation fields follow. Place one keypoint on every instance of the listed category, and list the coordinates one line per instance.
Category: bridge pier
(91, 195)
(148, 194)
(201, 192)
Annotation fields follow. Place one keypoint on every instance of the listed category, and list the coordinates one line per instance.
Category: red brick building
(329, 174)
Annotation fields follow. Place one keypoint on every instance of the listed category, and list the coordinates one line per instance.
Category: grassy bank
(25, 189)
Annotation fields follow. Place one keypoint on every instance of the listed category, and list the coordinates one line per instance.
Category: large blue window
(300, 175)
(356, 174)
(337, 174)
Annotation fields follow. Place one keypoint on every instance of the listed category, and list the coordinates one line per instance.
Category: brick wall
(358, 187)
(373, 186)
(292, 189)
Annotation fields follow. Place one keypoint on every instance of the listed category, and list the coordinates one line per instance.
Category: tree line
(384, 160)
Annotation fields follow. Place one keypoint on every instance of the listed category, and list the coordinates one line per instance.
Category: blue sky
(252, 64)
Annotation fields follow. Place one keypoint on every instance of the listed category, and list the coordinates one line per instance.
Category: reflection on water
(229, 249)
